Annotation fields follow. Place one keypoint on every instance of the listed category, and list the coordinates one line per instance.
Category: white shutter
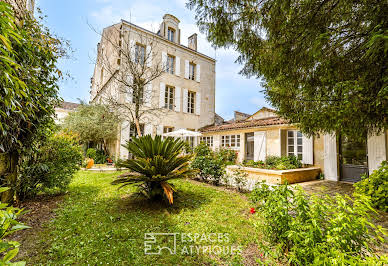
(330, 157)
(185, 100)
(149, 56)
(129, 90)
(198, 104)
(308, 150)
(159, 130)
(148, 129)
(216, 142)
(161, 96)
(260, 149)
(164, 61)
(186, 69)
(177, 99)
(177, 66)
(198, 77)
(147, 96)
(123, 140)
(376, 151)
(132, 47)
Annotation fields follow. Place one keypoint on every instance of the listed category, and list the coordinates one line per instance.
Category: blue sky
(70, 19)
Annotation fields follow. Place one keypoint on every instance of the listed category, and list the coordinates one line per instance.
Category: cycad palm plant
(155, 161)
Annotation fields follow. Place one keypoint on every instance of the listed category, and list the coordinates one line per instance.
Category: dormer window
(171, 34)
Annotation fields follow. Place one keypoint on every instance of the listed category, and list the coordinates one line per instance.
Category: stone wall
(21, 6)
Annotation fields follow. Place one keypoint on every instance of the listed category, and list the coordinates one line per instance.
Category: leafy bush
(101, 157)
(239, 179)
(211, 168)
(376, 187)
(8, 226)
(52, 165)
(317, 230)
(91, 153)
(226, 156)
(155, 162)
(276, 162)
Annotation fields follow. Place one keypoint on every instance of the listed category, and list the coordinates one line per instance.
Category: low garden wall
(292, 176)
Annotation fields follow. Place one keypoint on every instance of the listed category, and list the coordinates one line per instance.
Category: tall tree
(28, 88)
(323, 63)
(93, 123)
(129, 60)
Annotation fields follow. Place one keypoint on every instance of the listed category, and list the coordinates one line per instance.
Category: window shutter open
(376, 151)
(162, 92)
(132, 47)
(198, 104)
(185, 100)
(164, 61)
(186, 69)
(129, 90)
(216, 142)
(259, 149)
(123, 139)
(330, 157)
(308, 150)
(149, 56)
(198, 77)
(177, 99)
(177, 66)
(147, 96)
(159, 130)
(147, 129)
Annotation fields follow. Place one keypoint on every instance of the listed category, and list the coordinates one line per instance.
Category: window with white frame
(190, 140)
(207, 140)
(230, 141)
(192, 71)
(171, 34)
(191, 102)
(169, 97)
(167, 129)
(170, 64)
(140, 54)
(295, 143)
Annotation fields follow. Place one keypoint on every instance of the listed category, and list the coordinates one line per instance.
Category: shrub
(202, 150)
(91, 153)
(376, 187)
(155, 162)
(317, 230)
(276, 162)
(226, 156)
(8, 226)
(239, 179)
(52, 165)
(101, 157)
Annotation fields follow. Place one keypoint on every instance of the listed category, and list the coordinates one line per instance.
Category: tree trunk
(8, 175)
(138, 127)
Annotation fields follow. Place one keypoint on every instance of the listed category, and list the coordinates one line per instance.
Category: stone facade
(167, 43)
(21, 6)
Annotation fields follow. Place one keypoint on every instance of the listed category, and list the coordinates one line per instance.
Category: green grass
(98, 224)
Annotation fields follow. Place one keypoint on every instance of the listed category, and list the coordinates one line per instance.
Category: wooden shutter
(186, 69)
(260, 149)
(216, 142)
(132, 47)
(159, 130)
(185, 100)
(308, 150)
(377, 151)
(161, 95)
(198, 103)
(123, 140)
(177, 100)
(147, 96)
(330, 157)
(177, 66)
(129, 90)
(148, 129)
(164, 61)
(198, 76)
(149, 56)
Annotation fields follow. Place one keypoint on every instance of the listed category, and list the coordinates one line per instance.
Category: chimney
(193, 42)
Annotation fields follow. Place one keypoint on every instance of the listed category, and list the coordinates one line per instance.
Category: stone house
(265, 133)
(63, 110)
(21, 6)
(184, 93)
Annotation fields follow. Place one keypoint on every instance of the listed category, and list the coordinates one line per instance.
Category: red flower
(252, 210)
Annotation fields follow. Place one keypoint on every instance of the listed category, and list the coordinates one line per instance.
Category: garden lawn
(99, 224)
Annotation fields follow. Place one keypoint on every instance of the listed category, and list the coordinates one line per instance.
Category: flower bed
(278, 176)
